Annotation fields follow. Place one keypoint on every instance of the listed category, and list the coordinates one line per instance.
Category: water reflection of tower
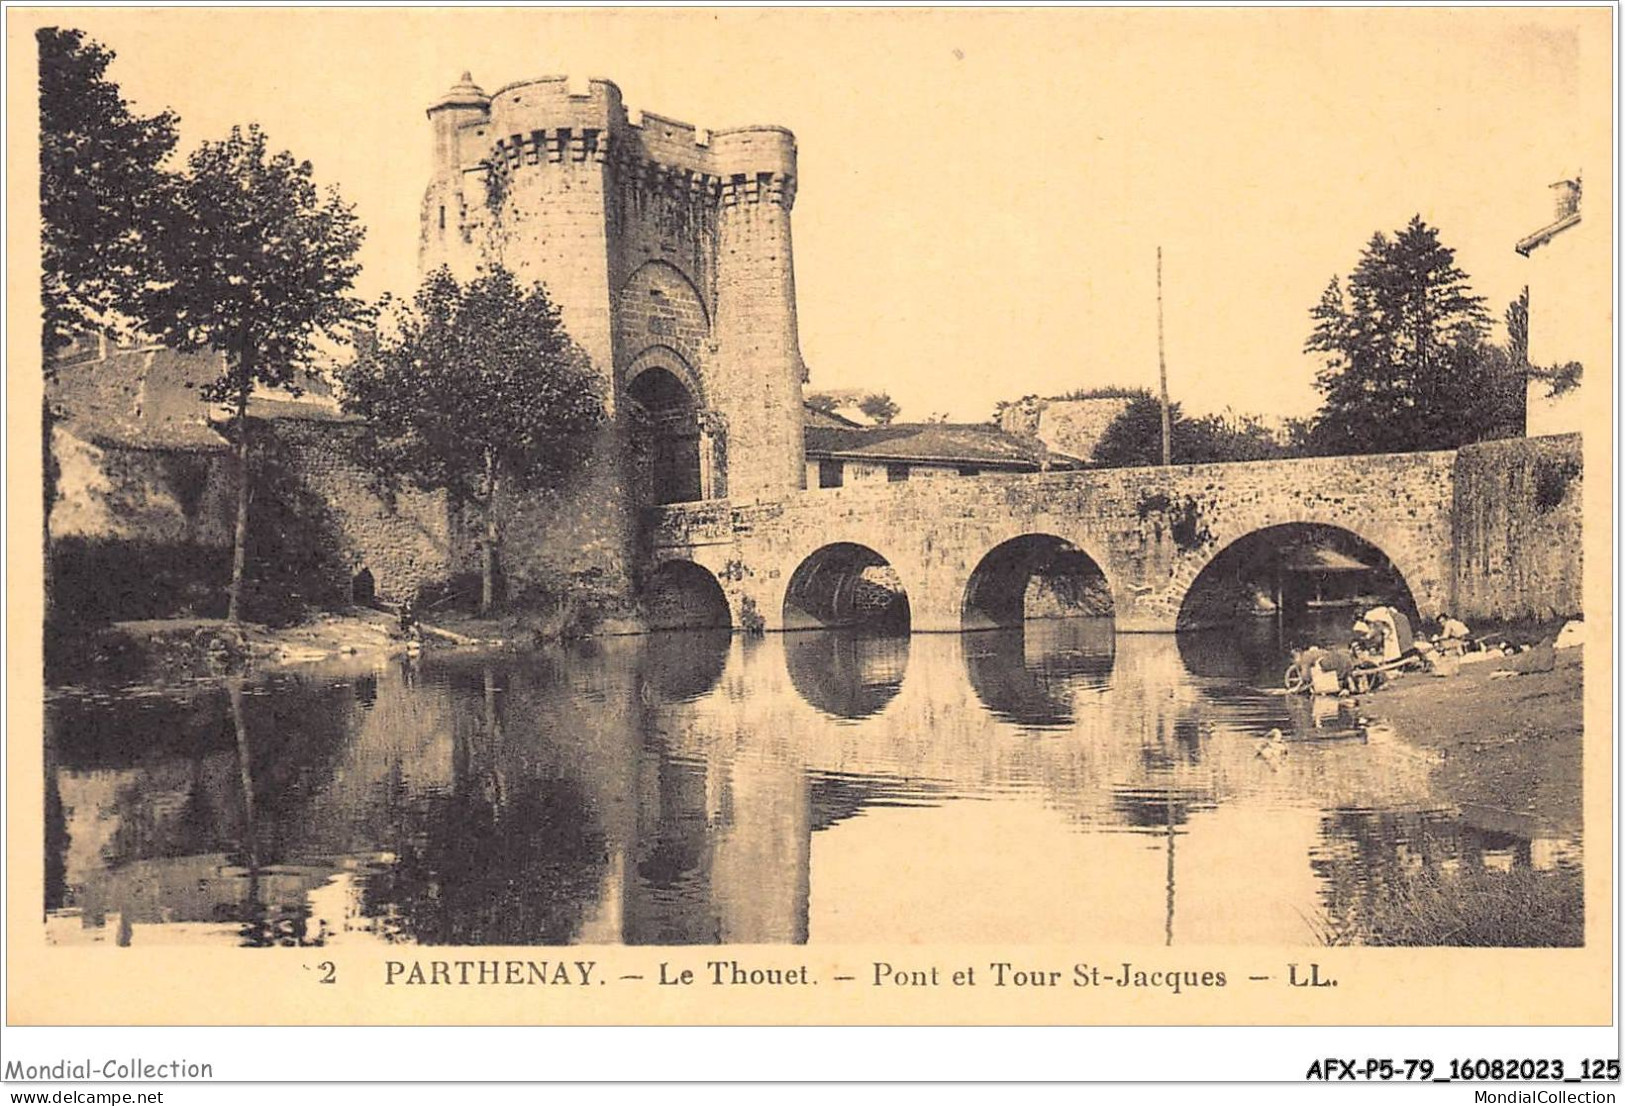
(722, 822)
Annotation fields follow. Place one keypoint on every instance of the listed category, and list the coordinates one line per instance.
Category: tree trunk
(239, 546)
(239, 550)
(48, 467)
(488, 547)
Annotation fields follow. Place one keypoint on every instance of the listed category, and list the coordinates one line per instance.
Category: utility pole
(1162, 370)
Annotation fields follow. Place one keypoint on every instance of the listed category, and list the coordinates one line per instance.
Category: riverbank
(174, 650)
(1507, 743)
(179, 649)
(1510, 751)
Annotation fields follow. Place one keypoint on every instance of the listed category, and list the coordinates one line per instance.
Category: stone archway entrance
(667, 423)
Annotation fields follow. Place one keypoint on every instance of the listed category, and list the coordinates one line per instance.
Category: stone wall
(1070, 426)
(158, 496)
(1516, 529)
(1491, 532)
(405, 540)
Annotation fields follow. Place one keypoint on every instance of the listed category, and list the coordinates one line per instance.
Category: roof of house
(979, 444)
(1320, 559)
(304, 409)
(1547, 233)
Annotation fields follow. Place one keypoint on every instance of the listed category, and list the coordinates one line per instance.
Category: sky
(982, 192)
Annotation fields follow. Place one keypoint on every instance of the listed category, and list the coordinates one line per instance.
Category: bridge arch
(845, 584)
(681, 595)
(1293, 567)
(1034, 575)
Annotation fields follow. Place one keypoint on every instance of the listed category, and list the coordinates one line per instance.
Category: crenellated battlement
(632, 168)
(665, 245)
(556, 147)
(553, 121)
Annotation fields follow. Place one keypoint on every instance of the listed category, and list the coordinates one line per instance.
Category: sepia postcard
(1083, 516)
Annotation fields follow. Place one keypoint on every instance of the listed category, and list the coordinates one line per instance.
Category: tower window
(442, 216)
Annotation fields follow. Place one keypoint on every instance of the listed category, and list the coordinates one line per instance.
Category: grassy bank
(1510, 749)
(1475, 908)
(178, 649)
(1510, 744)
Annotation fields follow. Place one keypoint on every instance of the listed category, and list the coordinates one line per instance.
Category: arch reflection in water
(679, 666)
(1034, 576)
(1032, 675)
(847, 674)
(846, 585)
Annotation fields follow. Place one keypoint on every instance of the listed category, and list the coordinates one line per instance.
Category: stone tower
(668, 253)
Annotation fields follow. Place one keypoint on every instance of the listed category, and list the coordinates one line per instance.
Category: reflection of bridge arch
(845, 584)
(681, 595)
(1270, 566)
(1031, 677)
(998, 591)
(846, 675)
(683, 667)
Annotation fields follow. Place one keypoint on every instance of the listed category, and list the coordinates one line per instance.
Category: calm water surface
(1049, 784)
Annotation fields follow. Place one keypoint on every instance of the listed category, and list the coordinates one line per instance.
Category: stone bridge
(964, 550)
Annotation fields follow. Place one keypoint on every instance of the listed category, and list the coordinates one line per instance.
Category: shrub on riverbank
(1472, 907)
(163, 651)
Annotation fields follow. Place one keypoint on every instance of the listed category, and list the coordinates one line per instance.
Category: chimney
(1566, 194)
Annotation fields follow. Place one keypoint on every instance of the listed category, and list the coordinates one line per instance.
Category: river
(1057, 783)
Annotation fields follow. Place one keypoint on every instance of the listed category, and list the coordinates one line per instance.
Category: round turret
(464, 94)
(463, 103)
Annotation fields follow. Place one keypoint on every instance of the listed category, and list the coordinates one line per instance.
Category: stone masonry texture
(1521, 558)
(665, 249)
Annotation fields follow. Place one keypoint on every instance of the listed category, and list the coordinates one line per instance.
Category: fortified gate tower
(668, 252)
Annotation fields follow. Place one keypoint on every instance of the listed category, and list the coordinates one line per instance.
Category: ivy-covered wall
(1516, 528)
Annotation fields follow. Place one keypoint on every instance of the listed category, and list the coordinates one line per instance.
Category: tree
(257, 264)
(474, 388)
(1559, 379)
(823, 402)
(102, 188)
(1134, 437)
(1405, 356)
(879, 406)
